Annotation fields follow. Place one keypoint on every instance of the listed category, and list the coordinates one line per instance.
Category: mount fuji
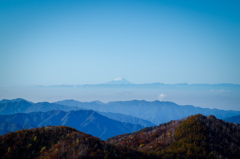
(119, 80)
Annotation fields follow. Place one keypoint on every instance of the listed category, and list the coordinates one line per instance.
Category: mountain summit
(119, 80)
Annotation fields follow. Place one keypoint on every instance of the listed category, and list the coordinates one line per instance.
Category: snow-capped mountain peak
(119, 80)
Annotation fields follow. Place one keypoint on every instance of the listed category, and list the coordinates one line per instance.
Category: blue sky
(46, 42)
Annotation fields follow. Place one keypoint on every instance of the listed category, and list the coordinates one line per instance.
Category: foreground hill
(60, 142)
(156, 112)
(195, 137)
(87, 121)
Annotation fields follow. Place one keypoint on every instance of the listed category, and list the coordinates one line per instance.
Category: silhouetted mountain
(87, 121)
(233, 119)
(156, 112)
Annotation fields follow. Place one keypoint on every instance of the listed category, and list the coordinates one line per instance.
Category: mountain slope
(60, 142)
(13, 100)
(45, 106)
(23, 106)
(195, 137)
(6, 127)
(233, 119)
(14, 107)
(87, 121)
(127, 119)
(156, 112)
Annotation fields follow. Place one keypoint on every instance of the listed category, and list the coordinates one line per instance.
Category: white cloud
(161, 97)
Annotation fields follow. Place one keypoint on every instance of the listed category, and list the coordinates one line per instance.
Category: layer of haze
(76, 42)
(49, 42)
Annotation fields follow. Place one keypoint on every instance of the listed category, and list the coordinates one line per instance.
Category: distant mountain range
(181, 86)
(220, 96)
(156, 112)
(23, 106)
(99, 119)
(87, 121)
(141, 112)
(122, 82)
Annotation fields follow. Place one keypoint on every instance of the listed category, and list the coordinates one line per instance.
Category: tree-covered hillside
(60, 142)
(197, 136)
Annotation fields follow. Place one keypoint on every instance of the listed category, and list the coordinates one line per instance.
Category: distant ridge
(125, 83)
(13, 100)
(233, 119)
(87, 121)
(156, 111)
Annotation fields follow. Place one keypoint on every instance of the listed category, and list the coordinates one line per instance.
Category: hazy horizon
(65, 84)
(220, 96)
(52, 42)
(70, 42)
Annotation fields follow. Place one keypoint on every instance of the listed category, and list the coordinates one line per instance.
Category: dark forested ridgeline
(196, 136)
(60, 142)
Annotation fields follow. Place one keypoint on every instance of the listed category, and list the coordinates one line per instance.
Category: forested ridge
(197, 136)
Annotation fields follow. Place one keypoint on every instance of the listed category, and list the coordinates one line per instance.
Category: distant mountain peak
(119, 80)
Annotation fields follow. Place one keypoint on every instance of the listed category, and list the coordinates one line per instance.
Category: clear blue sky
(46, 42)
